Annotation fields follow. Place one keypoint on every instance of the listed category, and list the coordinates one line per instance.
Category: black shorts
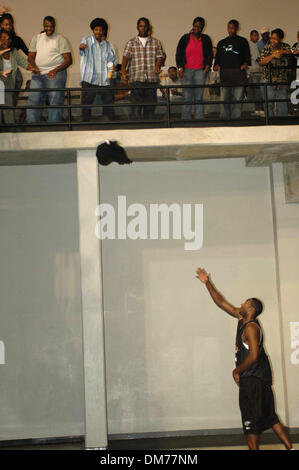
(257, 405)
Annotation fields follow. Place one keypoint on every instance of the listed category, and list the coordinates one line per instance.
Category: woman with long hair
(10, 61)
(7, 23)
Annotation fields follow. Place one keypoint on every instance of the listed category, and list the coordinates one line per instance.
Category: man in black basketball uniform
(253, 373)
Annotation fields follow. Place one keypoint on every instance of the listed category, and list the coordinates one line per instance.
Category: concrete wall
(287, 229)
(169, 350)
(170, 19)
(41, 385)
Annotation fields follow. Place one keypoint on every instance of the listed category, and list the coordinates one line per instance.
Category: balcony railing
(169, 110)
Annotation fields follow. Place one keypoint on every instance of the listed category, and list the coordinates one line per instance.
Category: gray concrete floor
(80, 447)
(177, 443)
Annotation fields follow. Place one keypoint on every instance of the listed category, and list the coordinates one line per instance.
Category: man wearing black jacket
(232, 59)
(194, 57)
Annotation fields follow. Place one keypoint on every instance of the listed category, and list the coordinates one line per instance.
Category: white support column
(92, 303)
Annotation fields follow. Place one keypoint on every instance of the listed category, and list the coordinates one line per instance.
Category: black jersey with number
(261, 368)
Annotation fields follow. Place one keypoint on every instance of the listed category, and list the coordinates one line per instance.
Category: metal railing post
(69, 110)
(70, 122)
(168, 108)
(266, 104)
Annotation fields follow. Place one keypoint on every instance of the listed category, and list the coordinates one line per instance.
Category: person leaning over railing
(273, 58)
(10, 60)
(172, 79)
(50, 56)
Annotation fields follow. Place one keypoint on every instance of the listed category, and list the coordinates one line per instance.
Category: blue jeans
(255, 92)
(232, 111)
(193, 77)
(37, 98)
(279, 92)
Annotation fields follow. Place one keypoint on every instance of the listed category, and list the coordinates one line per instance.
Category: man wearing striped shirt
(98, 60)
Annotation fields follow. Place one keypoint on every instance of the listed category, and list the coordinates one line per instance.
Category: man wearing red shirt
(194, 57)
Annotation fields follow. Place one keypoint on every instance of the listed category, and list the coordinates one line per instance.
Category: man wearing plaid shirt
(143, 57)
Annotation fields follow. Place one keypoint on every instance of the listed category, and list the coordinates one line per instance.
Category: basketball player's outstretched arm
(216, 296)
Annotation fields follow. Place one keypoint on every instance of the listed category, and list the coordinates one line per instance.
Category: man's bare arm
(3, 9)
(265, 60)
(67, 61)
(67, 56)
(216, 296)
(124, 73)
(158, 64)
(275, 55)
(31, 60)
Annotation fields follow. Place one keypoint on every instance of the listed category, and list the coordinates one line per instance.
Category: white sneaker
(262, 113)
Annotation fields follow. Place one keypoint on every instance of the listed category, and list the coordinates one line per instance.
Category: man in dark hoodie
(194, 57)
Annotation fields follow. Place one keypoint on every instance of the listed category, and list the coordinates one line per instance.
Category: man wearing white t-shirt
(50, 56)
(254, 73)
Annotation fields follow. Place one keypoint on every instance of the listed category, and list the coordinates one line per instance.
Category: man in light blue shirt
(98, 61)
(265, 39)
